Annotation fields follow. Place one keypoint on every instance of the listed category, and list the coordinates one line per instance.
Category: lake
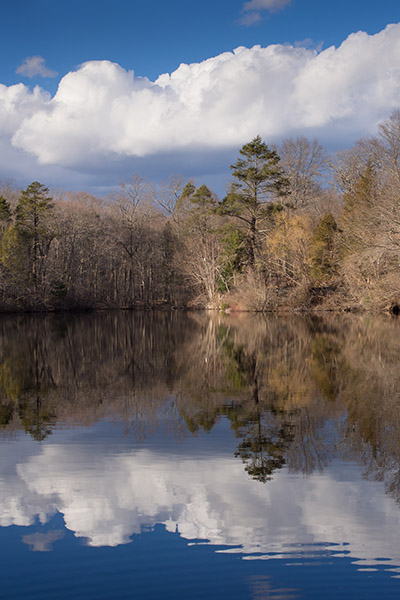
(194, 455)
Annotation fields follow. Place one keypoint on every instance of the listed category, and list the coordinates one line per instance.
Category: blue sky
(106, 123)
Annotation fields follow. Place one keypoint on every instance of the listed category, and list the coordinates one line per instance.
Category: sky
(92, 92)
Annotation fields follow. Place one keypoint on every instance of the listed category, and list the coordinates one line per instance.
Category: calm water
(173, 455)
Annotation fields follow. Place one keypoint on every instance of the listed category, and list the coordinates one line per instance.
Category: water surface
(182, 455)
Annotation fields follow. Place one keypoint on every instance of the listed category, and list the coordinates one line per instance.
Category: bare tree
(305, 164)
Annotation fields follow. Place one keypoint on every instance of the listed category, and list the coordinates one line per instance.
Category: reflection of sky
(108, 489)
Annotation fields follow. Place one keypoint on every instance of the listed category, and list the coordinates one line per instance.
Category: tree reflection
(263, 448)
(296, 391)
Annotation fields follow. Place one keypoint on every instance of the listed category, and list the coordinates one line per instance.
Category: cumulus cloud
(33, 66)
(103, 114)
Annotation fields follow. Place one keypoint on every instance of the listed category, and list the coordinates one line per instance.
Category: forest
(298, 229)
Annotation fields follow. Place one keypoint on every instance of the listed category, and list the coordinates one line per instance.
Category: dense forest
(297, 229)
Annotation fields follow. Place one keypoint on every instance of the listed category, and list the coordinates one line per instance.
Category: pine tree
(31, 223)
(259, 180)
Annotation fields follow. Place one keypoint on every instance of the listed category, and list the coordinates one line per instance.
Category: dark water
(172, 455)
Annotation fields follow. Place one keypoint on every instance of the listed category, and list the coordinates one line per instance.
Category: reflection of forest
(297, 391)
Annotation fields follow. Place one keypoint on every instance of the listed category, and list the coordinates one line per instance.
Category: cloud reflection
(42, 542)
(107, 493)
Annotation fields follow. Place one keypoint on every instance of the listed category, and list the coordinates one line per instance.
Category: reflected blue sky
(161, 564)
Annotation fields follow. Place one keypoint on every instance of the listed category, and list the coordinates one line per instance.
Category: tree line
(297, 229)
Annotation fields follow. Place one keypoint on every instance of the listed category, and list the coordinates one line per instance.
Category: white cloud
(250, 18)
(102, 115)
(33, 66)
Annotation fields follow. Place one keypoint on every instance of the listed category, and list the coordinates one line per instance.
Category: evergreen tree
(31, 223)
(201, 210)
(323, 257)
(5, 213)
(259, 180)
(361, 214)
(233, 255)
